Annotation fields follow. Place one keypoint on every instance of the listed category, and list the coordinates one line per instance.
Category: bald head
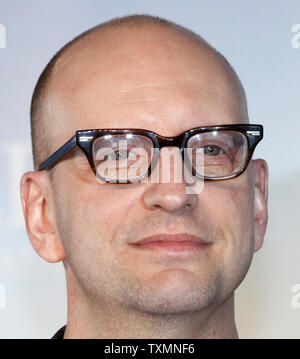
(142, 72)
(113, 54)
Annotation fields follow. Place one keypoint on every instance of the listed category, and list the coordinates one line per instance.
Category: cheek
(229, 206)
(87, 220)
(89, 216)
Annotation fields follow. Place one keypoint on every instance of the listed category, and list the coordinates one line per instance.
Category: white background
(256, 38)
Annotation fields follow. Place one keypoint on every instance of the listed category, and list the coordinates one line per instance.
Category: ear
(36, 196)
(260, 173)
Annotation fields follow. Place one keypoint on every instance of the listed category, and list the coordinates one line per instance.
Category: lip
(172, 242)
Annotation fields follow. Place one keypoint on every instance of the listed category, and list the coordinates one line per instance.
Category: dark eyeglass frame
(84, 140)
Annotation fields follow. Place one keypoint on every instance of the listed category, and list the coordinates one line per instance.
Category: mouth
(180, 242)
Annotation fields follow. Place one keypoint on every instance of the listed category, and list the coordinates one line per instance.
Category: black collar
(60, 333)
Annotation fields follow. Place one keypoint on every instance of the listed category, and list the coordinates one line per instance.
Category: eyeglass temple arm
(63, 151)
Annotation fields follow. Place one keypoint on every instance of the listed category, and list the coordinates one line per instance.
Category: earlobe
(260, 169)
(39, 216)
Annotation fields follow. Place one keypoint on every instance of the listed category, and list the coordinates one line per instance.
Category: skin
(156, 79)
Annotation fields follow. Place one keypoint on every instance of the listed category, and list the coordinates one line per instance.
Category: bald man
(145, 258)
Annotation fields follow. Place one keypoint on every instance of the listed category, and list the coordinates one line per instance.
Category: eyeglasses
(129, 155)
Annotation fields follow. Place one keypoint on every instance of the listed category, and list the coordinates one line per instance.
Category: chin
(177, 296)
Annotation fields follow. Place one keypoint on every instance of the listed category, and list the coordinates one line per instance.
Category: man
(142, 72)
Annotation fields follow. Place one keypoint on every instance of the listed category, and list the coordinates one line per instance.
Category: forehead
(150, 79)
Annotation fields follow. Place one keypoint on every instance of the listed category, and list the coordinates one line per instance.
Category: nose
(168, 192)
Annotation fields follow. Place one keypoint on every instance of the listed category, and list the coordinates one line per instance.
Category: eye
(212, 150)
(119, 155)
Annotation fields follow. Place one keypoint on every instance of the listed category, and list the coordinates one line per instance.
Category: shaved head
(143, 72)
(45, 117)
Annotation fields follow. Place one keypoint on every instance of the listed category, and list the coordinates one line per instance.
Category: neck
(95, 319)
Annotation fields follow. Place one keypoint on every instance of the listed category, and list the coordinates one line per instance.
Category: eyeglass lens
(127, 157)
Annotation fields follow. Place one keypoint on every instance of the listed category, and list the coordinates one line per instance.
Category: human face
(167, 90)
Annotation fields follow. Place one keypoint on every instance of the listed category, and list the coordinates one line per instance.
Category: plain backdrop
(257, 38)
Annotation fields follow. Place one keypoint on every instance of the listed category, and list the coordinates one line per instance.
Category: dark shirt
(60, 333)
